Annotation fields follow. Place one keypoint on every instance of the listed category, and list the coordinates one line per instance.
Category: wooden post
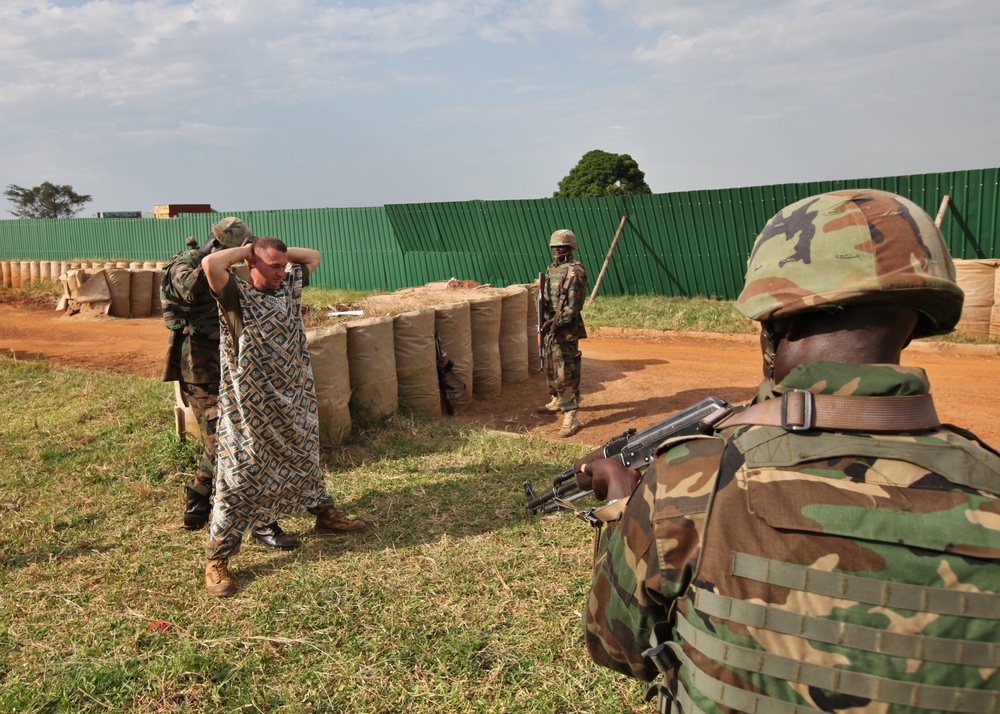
(607, 259)
(944, 207)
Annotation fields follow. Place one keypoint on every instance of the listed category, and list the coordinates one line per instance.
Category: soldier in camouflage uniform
(191, 314)
(565, 293)
(832, 547)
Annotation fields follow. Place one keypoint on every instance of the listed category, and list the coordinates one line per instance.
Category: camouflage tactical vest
(187, 300)
(841, 572)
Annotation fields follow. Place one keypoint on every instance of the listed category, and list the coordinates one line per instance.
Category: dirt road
(630, 379)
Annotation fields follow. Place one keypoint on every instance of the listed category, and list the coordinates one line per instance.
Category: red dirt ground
(630, 379)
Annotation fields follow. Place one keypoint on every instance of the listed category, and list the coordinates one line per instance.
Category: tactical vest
(557, 281)
(841, 572)
(189, 305)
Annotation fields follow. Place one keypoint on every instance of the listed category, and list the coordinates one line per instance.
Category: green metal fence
(683, 243)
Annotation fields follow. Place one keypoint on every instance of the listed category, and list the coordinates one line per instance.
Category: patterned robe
(268, 459)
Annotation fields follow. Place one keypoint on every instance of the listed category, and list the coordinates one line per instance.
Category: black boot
(197, 509)
(271, 536)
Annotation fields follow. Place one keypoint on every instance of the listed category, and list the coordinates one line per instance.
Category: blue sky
(272, 104)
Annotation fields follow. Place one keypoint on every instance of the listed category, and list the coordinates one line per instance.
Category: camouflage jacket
(778, 571)
(192, 316)
(565, 293)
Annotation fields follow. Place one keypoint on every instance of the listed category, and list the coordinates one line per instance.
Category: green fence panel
(684, 243)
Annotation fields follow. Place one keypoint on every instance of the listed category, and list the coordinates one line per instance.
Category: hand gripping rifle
(634, 450)
(540, 309)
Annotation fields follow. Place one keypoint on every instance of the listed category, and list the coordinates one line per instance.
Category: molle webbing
(870, 639)
(897, 596)
(739, 699)
(880, 689)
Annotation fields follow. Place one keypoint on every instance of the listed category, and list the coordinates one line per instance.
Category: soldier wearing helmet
(192, 316)
(562, 295)
(827, 547)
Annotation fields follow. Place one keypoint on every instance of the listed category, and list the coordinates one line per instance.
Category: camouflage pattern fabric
(773, 571)
(268, 460)
(564, 299)
(832, 249)
(565, 293)
(192, 316)
(204, 402)
(562, 371)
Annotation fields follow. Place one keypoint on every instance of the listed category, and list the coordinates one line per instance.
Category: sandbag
(5, 273)
(452, 324)
(416, 362)
(34, 272)
(155, 305)
(23, 274)
(140, 292)
(513, 350)
(331, 374)
(119, 285)
(977, 278)
(135, 265)
(531, 327)
(44, 271)
(484, 316)
(372, 368)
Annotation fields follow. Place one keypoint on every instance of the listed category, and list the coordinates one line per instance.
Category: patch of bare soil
(630, 379)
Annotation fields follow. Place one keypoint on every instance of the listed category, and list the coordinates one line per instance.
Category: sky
(278, 104)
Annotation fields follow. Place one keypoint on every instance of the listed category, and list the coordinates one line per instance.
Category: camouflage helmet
(563, 237)
(231, 232)
(858, 246)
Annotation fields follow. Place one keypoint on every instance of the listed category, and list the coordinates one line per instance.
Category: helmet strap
(772, 331)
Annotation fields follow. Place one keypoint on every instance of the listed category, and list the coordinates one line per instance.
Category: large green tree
(45, 201)
(600, 173)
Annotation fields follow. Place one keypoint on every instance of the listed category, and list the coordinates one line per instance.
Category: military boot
(333, 521)
(197, 509)
(272, 536)
(551, 408)
(570, 424)
(217, 578)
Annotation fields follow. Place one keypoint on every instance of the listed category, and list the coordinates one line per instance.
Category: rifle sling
(799, 409)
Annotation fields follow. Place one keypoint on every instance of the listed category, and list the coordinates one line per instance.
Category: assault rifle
(633, 449)
(540, 308)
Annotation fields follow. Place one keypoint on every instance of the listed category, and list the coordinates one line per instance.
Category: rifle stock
(634, 450)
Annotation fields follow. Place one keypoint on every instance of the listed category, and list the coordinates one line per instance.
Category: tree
(601, 173)
(45, 201)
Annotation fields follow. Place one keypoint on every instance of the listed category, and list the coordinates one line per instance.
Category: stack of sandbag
(978, 279)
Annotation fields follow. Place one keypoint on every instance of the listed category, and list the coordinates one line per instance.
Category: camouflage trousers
(562, 372)
(204, 402)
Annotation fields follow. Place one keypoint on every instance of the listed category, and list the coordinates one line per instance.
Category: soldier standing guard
(562, 304)
(191, 314)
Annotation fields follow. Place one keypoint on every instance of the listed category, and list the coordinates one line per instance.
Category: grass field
(457, 601)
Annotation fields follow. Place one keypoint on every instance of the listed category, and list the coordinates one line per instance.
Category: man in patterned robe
(268, 441)
(832, 547)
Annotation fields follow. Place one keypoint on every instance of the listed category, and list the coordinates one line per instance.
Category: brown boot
(551, 408)
(570, 424)
(217, 578)
(333, 521)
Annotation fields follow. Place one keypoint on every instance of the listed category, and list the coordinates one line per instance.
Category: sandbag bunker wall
(373, 367)
(115, 288)
(980, 280)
